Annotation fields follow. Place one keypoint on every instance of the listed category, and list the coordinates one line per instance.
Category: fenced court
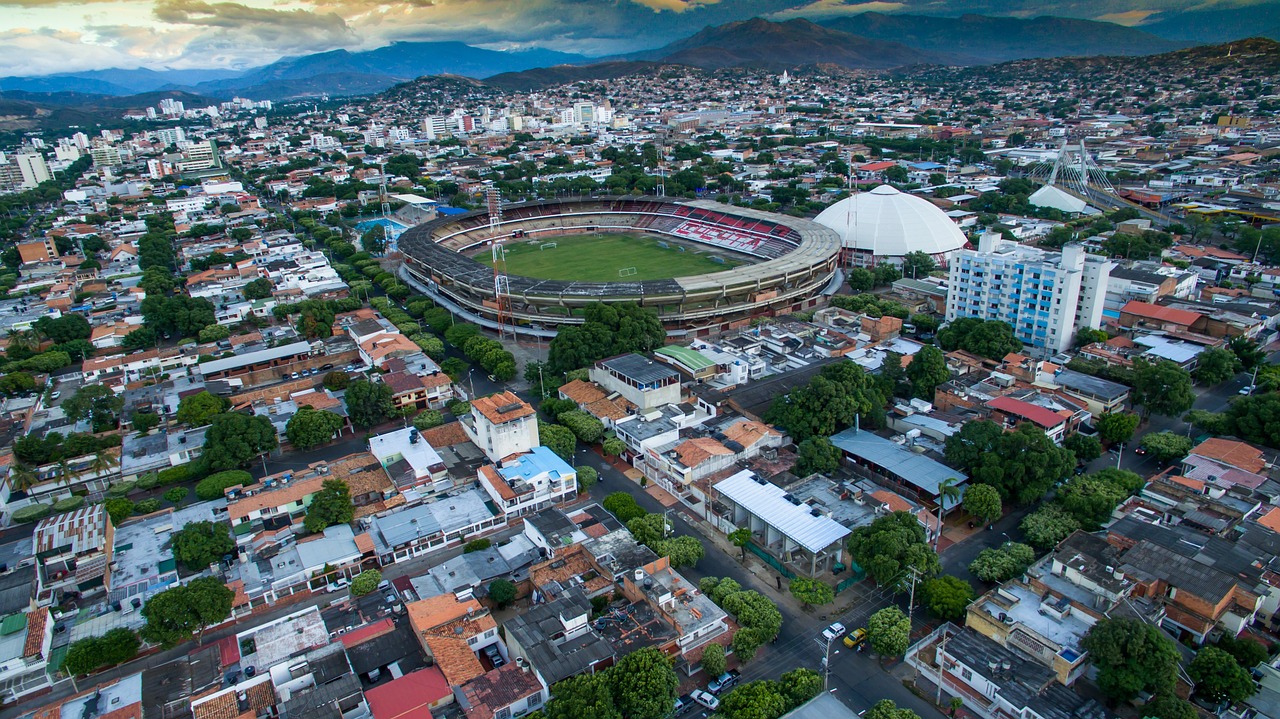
(607, 257)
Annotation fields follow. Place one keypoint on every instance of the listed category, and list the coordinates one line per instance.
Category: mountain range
(871, 41)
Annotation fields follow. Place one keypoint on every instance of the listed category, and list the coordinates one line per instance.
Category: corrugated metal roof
(769, 502)
(272, 353)
(915, 469)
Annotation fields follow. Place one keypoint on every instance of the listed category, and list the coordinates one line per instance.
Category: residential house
(410, 461)
(509, 691)
(451, 632)
(26, 643)
(530, 483)
(643, 382)
(557, 639)
(501, 425)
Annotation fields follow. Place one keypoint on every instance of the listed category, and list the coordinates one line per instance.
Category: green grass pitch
(599, 257)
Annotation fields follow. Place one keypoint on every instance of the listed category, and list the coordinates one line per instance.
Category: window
(503, 713)
(965, 673)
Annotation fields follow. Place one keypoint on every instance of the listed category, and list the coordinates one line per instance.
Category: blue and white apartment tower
(1046, 296)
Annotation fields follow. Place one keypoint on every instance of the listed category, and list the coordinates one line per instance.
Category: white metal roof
(892, 223)
(770, 503)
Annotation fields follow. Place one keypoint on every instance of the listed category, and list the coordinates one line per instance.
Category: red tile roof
(1159, 312)
(1236, 454)
(410, 696)
(489, 406)
(1039, 415)
(367, 632)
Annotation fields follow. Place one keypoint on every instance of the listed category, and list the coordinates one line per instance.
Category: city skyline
(40, 37)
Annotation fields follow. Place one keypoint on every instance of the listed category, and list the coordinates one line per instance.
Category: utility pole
(1119, 453)
(911, 606)
(941, 669)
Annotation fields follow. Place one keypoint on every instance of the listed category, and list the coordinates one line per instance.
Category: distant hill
(337, 72)
(769, 45)
(22, 111)
(1217, 25)
(984, 39)
(536, 78)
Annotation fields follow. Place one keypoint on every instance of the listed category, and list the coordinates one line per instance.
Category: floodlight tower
(501, 285)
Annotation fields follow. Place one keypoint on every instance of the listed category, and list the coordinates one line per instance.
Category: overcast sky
(40, 37)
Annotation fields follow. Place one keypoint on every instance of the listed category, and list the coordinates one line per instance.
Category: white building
(1045, 296)
(643, 382)
(502, 425)
(884, 225)
(409, 460)
(33, 168)
(530, 483)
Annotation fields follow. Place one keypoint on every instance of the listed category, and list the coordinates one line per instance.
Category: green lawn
(599, 257)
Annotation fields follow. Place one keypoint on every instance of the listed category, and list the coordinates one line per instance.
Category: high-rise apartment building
(1045, 296)
(33, 168)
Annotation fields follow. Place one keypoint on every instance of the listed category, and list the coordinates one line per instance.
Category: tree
(233, 439)
(86, 656)
(1169, 706)
(374, 240)
(330, 506)
(1022, 465)
(309, 427)
(861, 279)
(1247, 652)
(741, 537)
(213, 333)
(1091, 500)
(216, 485)
(199, 409)
(97, 403)
(258, 289)
(139, 339)
(992, 339)
(1085, 448)
(829, 403)
(917, 264)
(607, 330)
(613, 447)
(1131, 657)
(1166, 447)
(682, 551)
(889, 632)
(886, 709)
(812, 592)
(180, 315)
(946, 597)
(623, 506)
(118, 509)
(799, 686)
(315, 319)
(199, 544)
(586, 428)
(558, 439)
(1117, 427)
(983, 502)
(368, 403)
(477, 545)
(927, 370)
(1088, 336)
(1161, 387)
(1215, 366)
(176, 495)
(713, 661)
(1256, 418)
(584, 695)
(816, 455)
(1048, 526)
(761, 699)
(1005, 563)
(892, 545)
(1248, 352)
(144, 422)
(502, 592)
(336, 380)
(174, 615)
(1219, 678)
(587, 476)
(365, 582)
(62, 329)
(644, 684)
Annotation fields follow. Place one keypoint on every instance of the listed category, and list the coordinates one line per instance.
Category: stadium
(702, 266)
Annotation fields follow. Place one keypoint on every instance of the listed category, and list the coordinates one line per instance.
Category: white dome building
(884, 224)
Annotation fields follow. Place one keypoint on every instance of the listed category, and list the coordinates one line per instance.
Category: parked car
(495, 656)
(706, 699)
(1140, 451)
(1246, 390)
(833, 632)
(55, 394)
(339, 585)
(682, 705)
(856, 637)
(723, 682)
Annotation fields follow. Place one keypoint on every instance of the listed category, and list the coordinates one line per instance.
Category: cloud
(676, 6)
(838, 8)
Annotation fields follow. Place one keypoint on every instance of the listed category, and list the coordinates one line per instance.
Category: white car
(706, 699)
(339, 585)
(1247, 390)
(833, 632)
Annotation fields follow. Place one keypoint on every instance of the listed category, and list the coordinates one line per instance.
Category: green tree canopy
(176, 614)
(502, 592)
(1002, 564)
(1219, 678)
(1131, 657)
(607, 330)
(368, 403)
(812, 592)
(927, 370)
(1022, 465)
(816, 455)
(199, 544)
(713, 662)
(889, 632)
(309, 428)
(1085, 448)
(1161, 387)
(987, 338)
(1256, 419)
(829, 403)
(233, 439)
(983, 502)
(644, 684)
(886, 709)
(1117, 427)
(198, 410)
(1048, 526)
(97, 403)
(1215, 366)
(331, 505)
(365, 582)
(1166, 447)
(890, 546)
(946, 597)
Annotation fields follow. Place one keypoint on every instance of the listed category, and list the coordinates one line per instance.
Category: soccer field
(600, 257)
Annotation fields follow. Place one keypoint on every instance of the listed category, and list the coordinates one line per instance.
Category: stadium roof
(781, 511)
